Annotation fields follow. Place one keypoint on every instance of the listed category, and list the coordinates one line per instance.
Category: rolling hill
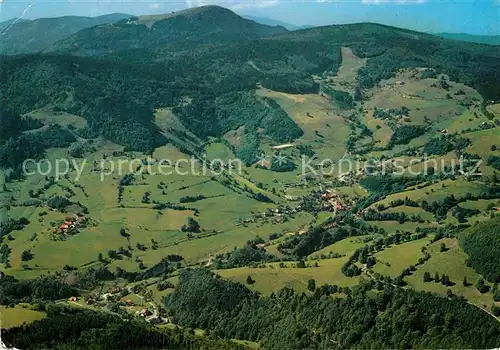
(207, 24)
(30, 36)
(274, 22)
(232, 59)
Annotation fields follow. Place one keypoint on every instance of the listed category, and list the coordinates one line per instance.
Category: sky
(454, 16)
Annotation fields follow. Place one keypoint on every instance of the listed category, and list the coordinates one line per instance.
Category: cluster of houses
(71, 223)
(277, 215)
(328, 200)
(115, 294)
(282, 210)
(334, 201)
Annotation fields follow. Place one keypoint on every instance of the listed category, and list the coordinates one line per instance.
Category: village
(328, 200)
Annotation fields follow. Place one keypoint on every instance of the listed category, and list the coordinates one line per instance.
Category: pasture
(392, 260)
(323, 126)
(16, 316)
(453, 263)
(436, 191)
(345, 246)
(272, 278)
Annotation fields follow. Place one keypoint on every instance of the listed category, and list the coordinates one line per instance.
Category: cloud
(154, 6)
(255, 4)
(234, 4)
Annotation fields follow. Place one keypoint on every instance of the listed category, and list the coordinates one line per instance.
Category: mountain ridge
(478, 39)
(274, 22)
(202, 25)
(31, 36)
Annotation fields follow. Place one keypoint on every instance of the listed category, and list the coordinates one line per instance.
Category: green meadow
(16, 316)
(452, 262)
(392, 260)
(272, 278)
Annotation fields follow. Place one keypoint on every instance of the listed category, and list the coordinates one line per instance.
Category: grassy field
(391, 261)
(16, 316)
(482, 141)
(273, 278)
(391, 97)
(427, 103)
(459, 188)
(345, 246)
(348, 71)
(200, 249)
(469, 119)
(219, 213)
(314, 114)
(65, 119)
(218, 151)
(174, 130)
(354, 191)
(452, 263)
(393, 226)
(480, 204)
(381, 131)
(425, 215)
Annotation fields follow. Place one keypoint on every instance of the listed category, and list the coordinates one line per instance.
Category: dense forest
(70, 328)
(40, 289)
(482, 243)
(390, 318)
(16, 145)
(210, 115)
(116, 99)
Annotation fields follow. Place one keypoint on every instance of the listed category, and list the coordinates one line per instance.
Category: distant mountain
(30, 36)
(274, 22)
(117, 95)
(9, 22)
(201, 25)
(480, 39)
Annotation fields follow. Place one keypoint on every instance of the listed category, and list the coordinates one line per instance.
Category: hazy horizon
(469, 17)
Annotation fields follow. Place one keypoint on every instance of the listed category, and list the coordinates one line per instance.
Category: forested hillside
(196, 26)
(85, 329)
(105, 92)
(30, 36)
(395, 318)
(482, 243)
(116, 99)
(391, 48)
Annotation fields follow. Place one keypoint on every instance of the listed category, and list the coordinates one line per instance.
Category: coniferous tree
(427, 277)
(436, 278)
(311, 285)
